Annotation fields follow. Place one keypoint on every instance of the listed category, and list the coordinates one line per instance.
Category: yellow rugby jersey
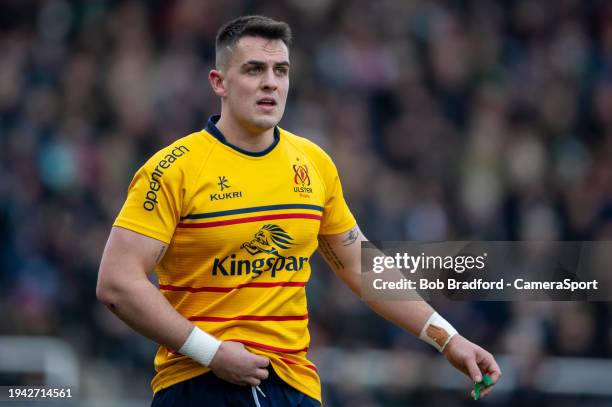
(241, 229)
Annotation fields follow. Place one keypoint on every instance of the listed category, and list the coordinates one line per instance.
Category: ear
(215, 78)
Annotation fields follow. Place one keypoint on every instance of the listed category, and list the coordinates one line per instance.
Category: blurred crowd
(447, 120)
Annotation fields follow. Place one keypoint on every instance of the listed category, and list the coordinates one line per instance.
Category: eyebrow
(260, 63)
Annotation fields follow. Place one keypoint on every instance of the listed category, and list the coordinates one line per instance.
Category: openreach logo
(155, 182)
(270, 239)
(411, 263)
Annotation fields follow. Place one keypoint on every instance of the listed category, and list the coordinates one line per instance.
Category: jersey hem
(307, 391)
(339, 229)
(170, 381)
(141, 230)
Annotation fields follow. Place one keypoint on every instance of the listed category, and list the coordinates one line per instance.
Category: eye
(254, 70)
(282, 71)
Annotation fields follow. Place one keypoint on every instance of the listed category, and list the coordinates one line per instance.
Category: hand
(235, 364)
(472, 360)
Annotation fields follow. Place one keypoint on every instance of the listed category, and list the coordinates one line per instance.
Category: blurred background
(456, 120)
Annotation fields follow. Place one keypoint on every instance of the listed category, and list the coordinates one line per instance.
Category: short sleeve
(155, 195)
(337, 217)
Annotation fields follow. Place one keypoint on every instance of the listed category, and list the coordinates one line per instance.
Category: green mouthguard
(485, 382)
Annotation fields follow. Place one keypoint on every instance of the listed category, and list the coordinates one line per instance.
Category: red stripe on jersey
(291, 362)
(250, 219)
(267, 347)
(251, 318)
(168, 287)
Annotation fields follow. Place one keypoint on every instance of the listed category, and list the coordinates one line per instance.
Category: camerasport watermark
(480, 284)
(497, 271)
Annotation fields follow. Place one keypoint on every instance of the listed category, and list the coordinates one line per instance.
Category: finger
(472, 369)
(490, 366)
(253, 381)
(495, 375)
(239, 382)
(261, 361)
(484, 392)
(262, 374)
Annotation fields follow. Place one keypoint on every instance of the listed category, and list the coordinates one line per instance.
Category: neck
(252, 140)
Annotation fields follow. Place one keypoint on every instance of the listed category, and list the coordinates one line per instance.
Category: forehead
(259, 49)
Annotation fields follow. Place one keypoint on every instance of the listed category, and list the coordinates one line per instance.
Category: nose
(269, 80)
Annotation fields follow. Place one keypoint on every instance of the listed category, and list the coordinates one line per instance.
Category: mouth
(266, 102)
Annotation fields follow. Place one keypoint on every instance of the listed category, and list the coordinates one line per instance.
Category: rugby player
(228, 218)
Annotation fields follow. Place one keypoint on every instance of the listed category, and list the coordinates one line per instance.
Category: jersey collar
(212, 128)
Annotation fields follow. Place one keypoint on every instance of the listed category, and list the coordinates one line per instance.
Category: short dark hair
(250, 26)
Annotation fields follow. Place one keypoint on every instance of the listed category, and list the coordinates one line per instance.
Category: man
(228, 217)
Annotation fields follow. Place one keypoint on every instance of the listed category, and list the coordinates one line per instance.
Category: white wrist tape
(200, 346)
(437, 332)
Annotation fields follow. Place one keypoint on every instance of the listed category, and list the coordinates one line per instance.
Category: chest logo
(301, 179)
(269, 240)
(223, 185)
(266, 238)
(301, 174)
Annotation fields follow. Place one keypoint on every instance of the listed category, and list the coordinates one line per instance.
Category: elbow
(104, 293)
(107, 291)
(114, 288)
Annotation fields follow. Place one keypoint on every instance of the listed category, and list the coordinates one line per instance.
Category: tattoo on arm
(329, 253)
(353, 234)
(162, 250)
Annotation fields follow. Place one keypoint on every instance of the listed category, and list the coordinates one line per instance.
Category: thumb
(472, 369)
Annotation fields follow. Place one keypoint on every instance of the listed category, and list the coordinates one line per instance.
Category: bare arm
(124, 287)
(343, 254)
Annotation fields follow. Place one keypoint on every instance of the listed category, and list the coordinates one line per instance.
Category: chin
(265, 123)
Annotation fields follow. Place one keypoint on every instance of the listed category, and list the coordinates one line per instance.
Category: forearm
(140, 305)
(409, 315)
(343, 254)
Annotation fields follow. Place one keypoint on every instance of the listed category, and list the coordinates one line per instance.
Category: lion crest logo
(267, 239)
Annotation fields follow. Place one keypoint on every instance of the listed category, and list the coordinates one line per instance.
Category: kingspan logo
(270, 239)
